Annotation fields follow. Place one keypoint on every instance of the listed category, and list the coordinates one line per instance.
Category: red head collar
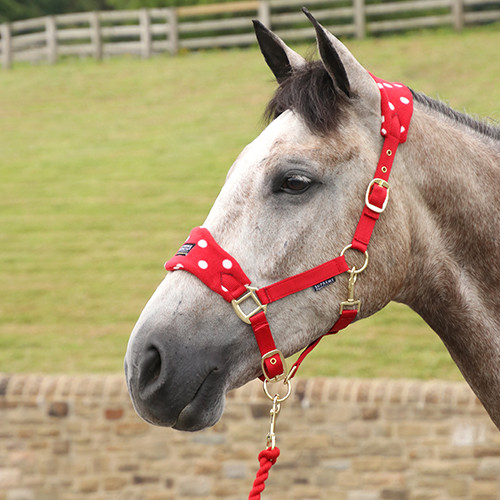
(202, 256)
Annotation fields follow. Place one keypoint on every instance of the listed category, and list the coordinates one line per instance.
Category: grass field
(105, 167)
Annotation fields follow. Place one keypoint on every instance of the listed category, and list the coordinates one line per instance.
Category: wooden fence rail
(148, 31)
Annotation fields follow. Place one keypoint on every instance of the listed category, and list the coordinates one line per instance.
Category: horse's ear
(279, 57)
(330, 56)
(347, 73)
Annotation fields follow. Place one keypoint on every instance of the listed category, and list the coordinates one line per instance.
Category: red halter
(202, 256)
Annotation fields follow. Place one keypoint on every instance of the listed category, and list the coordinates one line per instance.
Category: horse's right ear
(279, 57)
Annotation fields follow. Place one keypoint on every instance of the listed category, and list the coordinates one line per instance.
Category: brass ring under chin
(277, 398)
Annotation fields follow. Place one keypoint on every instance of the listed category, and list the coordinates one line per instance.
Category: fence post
(457, 9)
(173, 30)
(359, 18)
(5, 33)
(51, 39)
(146, 36)
(95, 35)
(264, 13)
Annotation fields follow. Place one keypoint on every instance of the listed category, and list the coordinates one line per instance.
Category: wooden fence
(148, 31)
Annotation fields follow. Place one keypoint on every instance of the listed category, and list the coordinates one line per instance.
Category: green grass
(105, 167)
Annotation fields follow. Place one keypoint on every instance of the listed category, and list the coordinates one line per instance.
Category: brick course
(78, 438)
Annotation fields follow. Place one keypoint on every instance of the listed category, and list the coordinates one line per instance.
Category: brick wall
(78, 438)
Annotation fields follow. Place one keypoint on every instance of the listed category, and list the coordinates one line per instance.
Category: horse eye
(296, 184)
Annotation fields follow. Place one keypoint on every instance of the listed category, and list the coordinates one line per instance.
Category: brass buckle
(249, 294)
(371, 206)
(270, 355)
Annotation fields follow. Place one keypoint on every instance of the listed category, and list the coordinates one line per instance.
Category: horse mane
(480, 126)
(309, 92)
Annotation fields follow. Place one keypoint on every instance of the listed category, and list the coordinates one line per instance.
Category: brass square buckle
(371, 206)
(249, 294)
(270, 355)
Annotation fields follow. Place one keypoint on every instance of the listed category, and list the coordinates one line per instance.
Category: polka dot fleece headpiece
(396, 108)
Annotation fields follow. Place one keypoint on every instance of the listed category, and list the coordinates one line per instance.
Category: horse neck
(453, 178)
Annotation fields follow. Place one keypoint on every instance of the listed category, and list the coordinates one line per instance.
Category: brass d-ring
(353, 269)
(277, 398)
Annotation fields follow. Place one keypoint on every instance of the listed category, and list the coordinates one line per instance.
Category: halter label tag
(185, 249)
(324, 283)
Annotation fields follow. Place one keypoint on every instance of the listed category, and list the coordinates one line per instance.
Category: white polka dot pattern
(396, 109)
(203, 257)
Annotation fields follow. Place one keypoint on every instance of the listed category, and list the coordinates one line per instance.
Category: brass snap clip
(271, 435)
(275, 410)
(351, 303)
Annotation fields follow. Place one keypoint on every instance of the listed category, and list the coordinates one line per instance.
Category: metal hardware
(351, 303)
(353, 269)
(270, 355)
(249, 294)
(271, 435)
(275, 410)
(286, 383)
(290, 375)
(371, 206)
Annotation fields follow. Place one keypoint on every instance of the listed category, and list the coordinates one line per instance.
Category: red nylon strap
(346, 318)
(272, 365)
(396, 107)
(376, 197)
(299, 282)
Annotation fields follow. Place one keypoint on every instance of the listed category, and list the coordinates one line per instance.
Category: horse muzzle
(175, 384)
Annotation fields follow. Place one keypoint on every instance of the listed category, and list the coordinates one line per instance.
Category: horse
(292, 201)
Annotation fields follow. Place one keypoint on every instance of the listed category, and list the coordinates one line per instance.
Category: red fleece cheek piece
(202, 256)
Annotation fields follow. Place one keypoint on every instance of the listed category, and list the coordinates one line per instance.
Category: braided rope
(267, 458)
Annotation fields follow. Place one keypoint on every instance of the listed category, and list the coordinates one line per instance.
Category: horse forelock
(309, 92)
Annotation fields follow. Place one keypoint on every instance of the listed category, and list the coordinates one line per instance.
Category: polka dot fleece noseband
(202, 256)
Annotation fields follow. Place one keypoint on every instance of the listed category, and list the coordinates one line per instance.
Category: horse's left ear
(279, 57)
(347, 74)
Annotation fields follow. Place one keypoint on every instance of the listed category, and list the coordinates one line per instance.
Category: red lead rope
(267, 458)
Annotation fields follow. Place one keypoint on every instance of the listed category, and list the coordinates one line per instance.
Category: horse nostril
(150, 368)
